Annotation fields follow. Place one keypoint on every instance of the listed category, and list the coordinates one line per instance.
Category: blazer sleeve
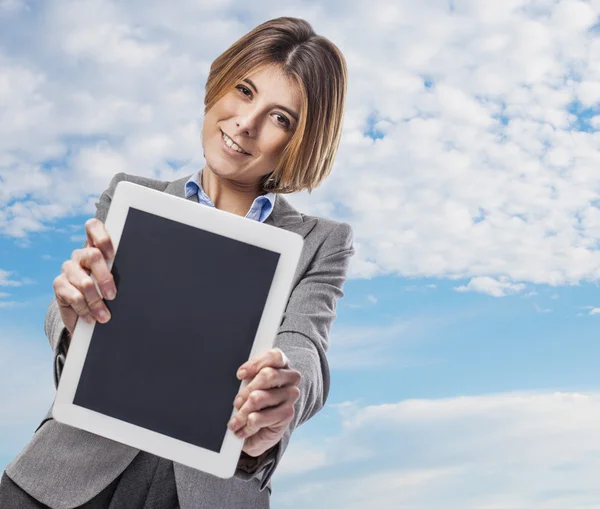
(54, 327)
(304, 331)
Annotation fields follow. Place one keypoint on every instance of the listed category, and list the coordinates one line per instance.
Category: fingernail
(240, 434)
(242, 373)
(103, 315)
(110, 294)
(231, 424)
(238, 402)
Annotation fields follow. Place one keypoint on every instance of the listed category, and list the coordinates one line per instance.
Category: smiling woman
(246, 131)
(286, 82)
(273, 114)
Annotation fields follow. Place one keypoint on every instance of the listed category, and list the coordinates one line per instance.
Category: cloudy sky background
(464, 358)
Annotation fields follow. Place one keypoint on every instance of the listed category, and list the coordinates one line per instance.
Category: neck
(228, 195)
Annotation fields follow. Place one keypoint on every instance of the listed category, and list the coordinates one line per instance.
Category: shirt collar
(261, 208)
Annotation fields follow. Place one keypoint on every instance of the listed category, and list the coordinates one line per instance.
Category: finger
(259, 400)
(83, 282)
(274, 358)
(94, 260)
(268, 378)
(262, 401)
(98, 237)
(285, 361)
(281, 415)
(68, 296)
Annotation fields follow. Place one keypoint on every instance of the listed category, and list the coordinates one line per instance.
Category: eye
(283, 120)
(244, 89)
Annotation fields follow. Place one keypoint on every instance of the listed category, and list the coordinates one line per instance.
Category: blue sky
(464, 356)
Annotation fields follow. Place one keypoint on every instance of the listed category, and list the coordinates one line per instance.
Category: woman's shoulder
(326, 224)
(329, 240)
(103, 203)
(159, 185)
(336, 233)
(331, 232)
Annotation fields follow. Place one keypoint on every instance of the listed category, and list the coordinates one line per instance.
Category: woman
(273, 114)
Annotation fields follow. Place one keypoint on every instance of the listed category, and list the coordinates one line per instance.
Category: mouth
(233, 147)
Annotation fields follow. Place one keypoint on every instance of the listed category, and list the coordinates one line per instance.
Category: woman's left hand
(266, 405)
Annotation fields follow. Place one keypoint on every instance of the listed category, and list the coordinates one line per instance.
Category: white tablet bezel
(286, 243)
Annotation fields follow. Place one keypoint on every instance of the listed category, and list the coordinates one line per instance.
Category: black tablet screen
(187, 309)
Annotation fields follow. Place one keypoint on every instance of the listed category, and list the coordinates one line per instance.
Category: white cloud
(303, 458)
(491, 286)
(6, 279)
(372, 299)
(483, 171)
(510, 451)
(111, 43)
(591, 311)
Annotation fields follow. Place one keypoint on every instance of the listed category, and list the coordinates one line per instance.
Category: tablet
(199, 292)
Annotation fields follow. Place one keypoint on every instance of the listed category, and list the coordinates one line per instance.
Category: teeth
(232, 145)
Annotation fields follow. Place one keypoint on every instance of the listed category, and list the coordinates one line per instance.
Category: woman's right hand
(75, 290)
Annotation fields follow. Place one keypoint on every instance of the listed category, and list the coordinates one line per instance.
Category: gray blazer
(64, 467)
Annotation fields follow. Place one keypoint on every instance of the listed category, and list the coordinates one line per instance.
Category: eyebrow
(291, 112)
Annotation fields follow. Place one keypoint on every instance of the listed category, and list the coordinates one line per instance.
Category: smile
(231, 146)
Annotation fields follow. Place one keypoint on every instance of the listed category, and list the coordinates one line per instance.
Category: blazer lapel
(283, 215)
(287, 217)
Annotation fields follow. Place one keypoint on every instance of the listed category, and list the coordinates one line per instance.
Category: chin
(219, 167)
(222, 168)
(217, 161)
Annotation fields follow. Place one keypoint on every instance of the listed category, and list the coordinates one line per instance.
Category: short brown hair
(318, 67)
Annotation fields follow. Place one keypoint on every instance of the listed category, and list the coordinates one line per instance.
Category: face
(259, 115)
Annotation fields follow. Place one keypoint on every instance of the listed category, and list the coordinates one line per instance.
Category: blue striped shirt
(259, 211)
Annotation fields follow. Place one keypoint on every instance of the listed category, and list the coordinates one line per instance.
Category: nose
(247, 124)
